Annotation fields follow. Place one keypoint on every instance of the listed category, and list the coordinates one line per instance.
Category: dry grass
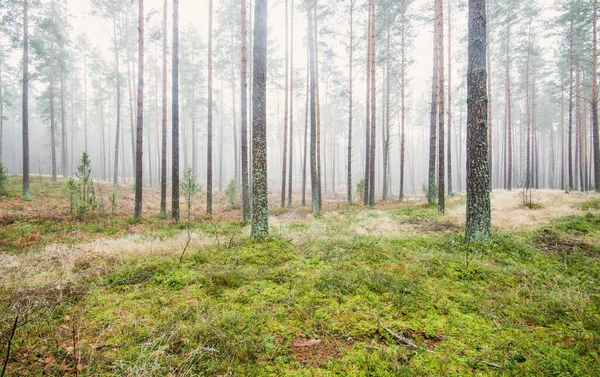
(508, 213)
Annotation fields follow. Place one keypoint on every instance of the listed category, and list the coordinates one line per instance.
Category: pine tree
(175, 116)
(478, 218)
(140, 118)
(260, 195)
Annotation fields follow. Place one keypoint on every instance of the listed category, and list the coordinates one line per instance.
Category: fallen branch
(402, 339)
(489, 364)
(12, 335)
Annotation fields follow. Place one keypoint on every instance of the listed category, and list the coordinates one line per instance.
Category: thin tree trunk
(402, 104)
(209, 153)
(285, 111)
(314, 174)
(570, 126)
(291, 106)
(116, 162)
(386, 141)
(431, 192)
(221, 139)
(163, 156)
(306, 110)
(367, 179)
(594, 98)
(489, 94)
(244, 123)
(25, 102)
(63, 119)
(318, 107)
(139, 145)
(260, 195)
(234, 121)
(528, 112)
(52, 120)
(350, 99)
(175, 116)
(373, 108)
(478, 220)
(441, 113)
(449, 156)
(508, 167)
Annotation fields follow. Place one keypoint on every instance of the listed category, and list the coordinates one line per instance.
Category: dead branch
(402, 339)
(9, 344)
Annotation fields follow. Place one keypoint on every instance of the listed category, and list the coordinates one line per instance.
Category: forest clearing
(316, 298)
(299, 188)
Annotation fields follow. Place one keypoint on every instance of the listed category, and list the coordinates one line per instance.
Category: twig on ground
(187, 243)
(8, 345)
(402, 339)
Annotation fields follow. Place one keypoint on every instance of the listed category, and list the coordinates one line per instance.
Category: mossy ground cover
(526, 304)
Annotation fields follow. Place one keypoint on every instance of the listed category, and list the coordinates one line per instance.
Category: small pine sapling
(190, 188)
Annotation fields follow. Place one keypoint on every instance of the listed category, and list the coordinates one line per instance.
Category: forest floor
(391, 290)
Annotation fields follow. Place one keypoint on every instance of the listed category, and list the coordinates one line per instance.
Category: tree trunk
(291, 106)
(222, 108)
(402, 104)
(25, 102)
(63, 119)
(209, 135)
(528, 115)
(350, 99)
(163, 155)
(441, 113)
(244, 123)
(234, 121)
(318, 107)
(260, 195)
(594, 99)
(373, 107)
(285, 111)
(478, 219)
(570, 126)
(175, 116)
(314, 173)
(449, 156)
(306, 110)
(139, 142)
(116, 49)
(386, 141)
(508, 167)
(367, 179)
(431, 193)
(489, 94)
(52, 120)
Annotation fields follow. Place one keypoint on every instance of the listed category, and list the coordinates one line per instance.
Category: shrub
(80, 192)
(190, 188)
(232, 193)
(3, 180)
(360, 189)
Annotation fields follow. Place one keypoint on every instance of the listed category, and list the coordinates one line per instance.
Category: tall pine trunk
(402, 104)
(594, 98)
(118, 104)
(244, 123)
(478, 221)
(175, 116)
(441, 113)
(350, 99)
(25, 102)
(139, 134)
(52, 119)
(260, 195)
(209, 135)
(306, 111)
(285, 111)
(314, 173)
(367, 181)
(431, 192)
(291, 125)
(373, 108)
(570, 126)
(64, 161)
(449, 155)
(163, 155)
(508, 170)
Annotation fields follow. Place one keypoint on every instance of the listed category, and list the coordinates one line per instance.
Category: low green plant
(190, 188)
(360, 189)
(3, 180)
(232, 194)
(80, 192)
(113, 201)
